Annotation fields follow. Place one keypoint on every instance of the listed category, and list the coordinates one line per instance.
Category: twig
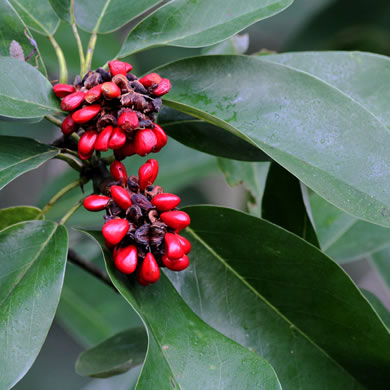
(53, 120)
(78, 40)
(71, 211)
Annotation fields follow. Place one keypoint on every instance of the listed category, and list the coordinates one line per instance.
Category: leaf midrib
(29, 102)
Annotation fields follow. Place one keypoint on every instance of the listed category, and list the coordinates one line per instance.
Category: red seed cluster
(114, 110)
(142, 223)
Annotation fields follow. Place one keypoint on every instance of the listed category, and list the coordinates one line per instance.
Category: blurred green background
(85, 303)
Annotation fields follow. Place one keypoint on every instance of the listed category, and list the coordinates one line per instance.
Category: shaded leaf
(62, 9)
(310, 128)
(272, 291)
(24, 91)
(238, 44)
(19, 155)
(12, 215)
(32, 266)
(381, 261)
(115, 355)
(378, 306)
(197, 23)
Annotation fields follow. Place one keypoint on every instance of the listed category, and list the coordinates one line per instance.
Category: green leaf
(37, 14)
(381, 261)
(115, 355)
(62, 9)
(104, 16)
(12, 215)
(312, 129)
(273, 292)
(12, 29)
(284, 206)
(238, 44)
(24, 91)
(183, 351)
(343, 237)
(197, 23)
(32, 266)
(378, 306)
(19, 155)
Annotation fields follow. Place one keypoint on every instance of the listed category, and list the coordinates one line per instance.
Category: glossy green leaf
(12, 29)
(238, 44)
(343, 237)
(32, 266)
(378, 306)
(62, 9)
(105, 16)
(19, 155)
(37, 14)
(24, 91)
(183, 351)
(12, 215)
(275, 293)
(197, 23)
(309, 127)
(283, 204)
(115, 355)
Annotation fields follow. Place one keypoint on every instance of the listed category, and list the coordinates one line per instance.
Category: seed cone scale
(119, 99)
(141, 242)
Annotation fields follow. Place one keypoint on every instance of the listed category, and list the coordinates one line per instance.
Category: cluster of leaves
(264, 304)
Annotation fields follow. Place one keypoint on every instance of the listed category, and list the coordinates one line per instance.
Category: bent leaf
(272, 291)
(183, 351)
(197, 23)
(12, 215)
(32, 266)
(19, 155)
(309, 127)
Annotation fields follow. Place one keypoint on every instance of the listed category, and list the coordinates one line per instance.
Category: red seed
(150, 271)
(176, 265)
(121, 197)
(72, 101)
(165, 202)
(147, 173)
(103, 138)
(161, 138)
(128, 149)
(69, 125)
(108, 245)
(86, 114)
(62, 90)
(176, 219)
(144, 142)
(173, 248)
(128, 121)
(115, 230)
(111, 90)
(95, 202)
(119, 67)
(150, 79)
(86, 144)
(125, 259)
(154, 164)
(118, 171)
(93, 94)
(140, 279)
(163, 87)
(118, 138)
(185, 244)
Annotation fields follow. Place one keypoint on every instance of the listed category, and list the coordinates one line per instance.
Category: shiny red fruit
(150, 271)
(62, 90)
(176, 219)
(68, 125)
(72, 101)
(86, 144)
(161, 138)
(126, 150)
(93, 94)
(108, 245)
(140, 279)
(176, 265)
(185, 244)
(118, 138)
(111, 90)
(165, 202)
(121, 197)
(144, 142)
(154, 165)
(147, 173)
(119, 67)
(125, 259)
(128, 121)
(115, 230)
(95, 202)
(173, 248)
(103, 139)
(86, 114)
(150, 79)
(163, 87)
(118, 171)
